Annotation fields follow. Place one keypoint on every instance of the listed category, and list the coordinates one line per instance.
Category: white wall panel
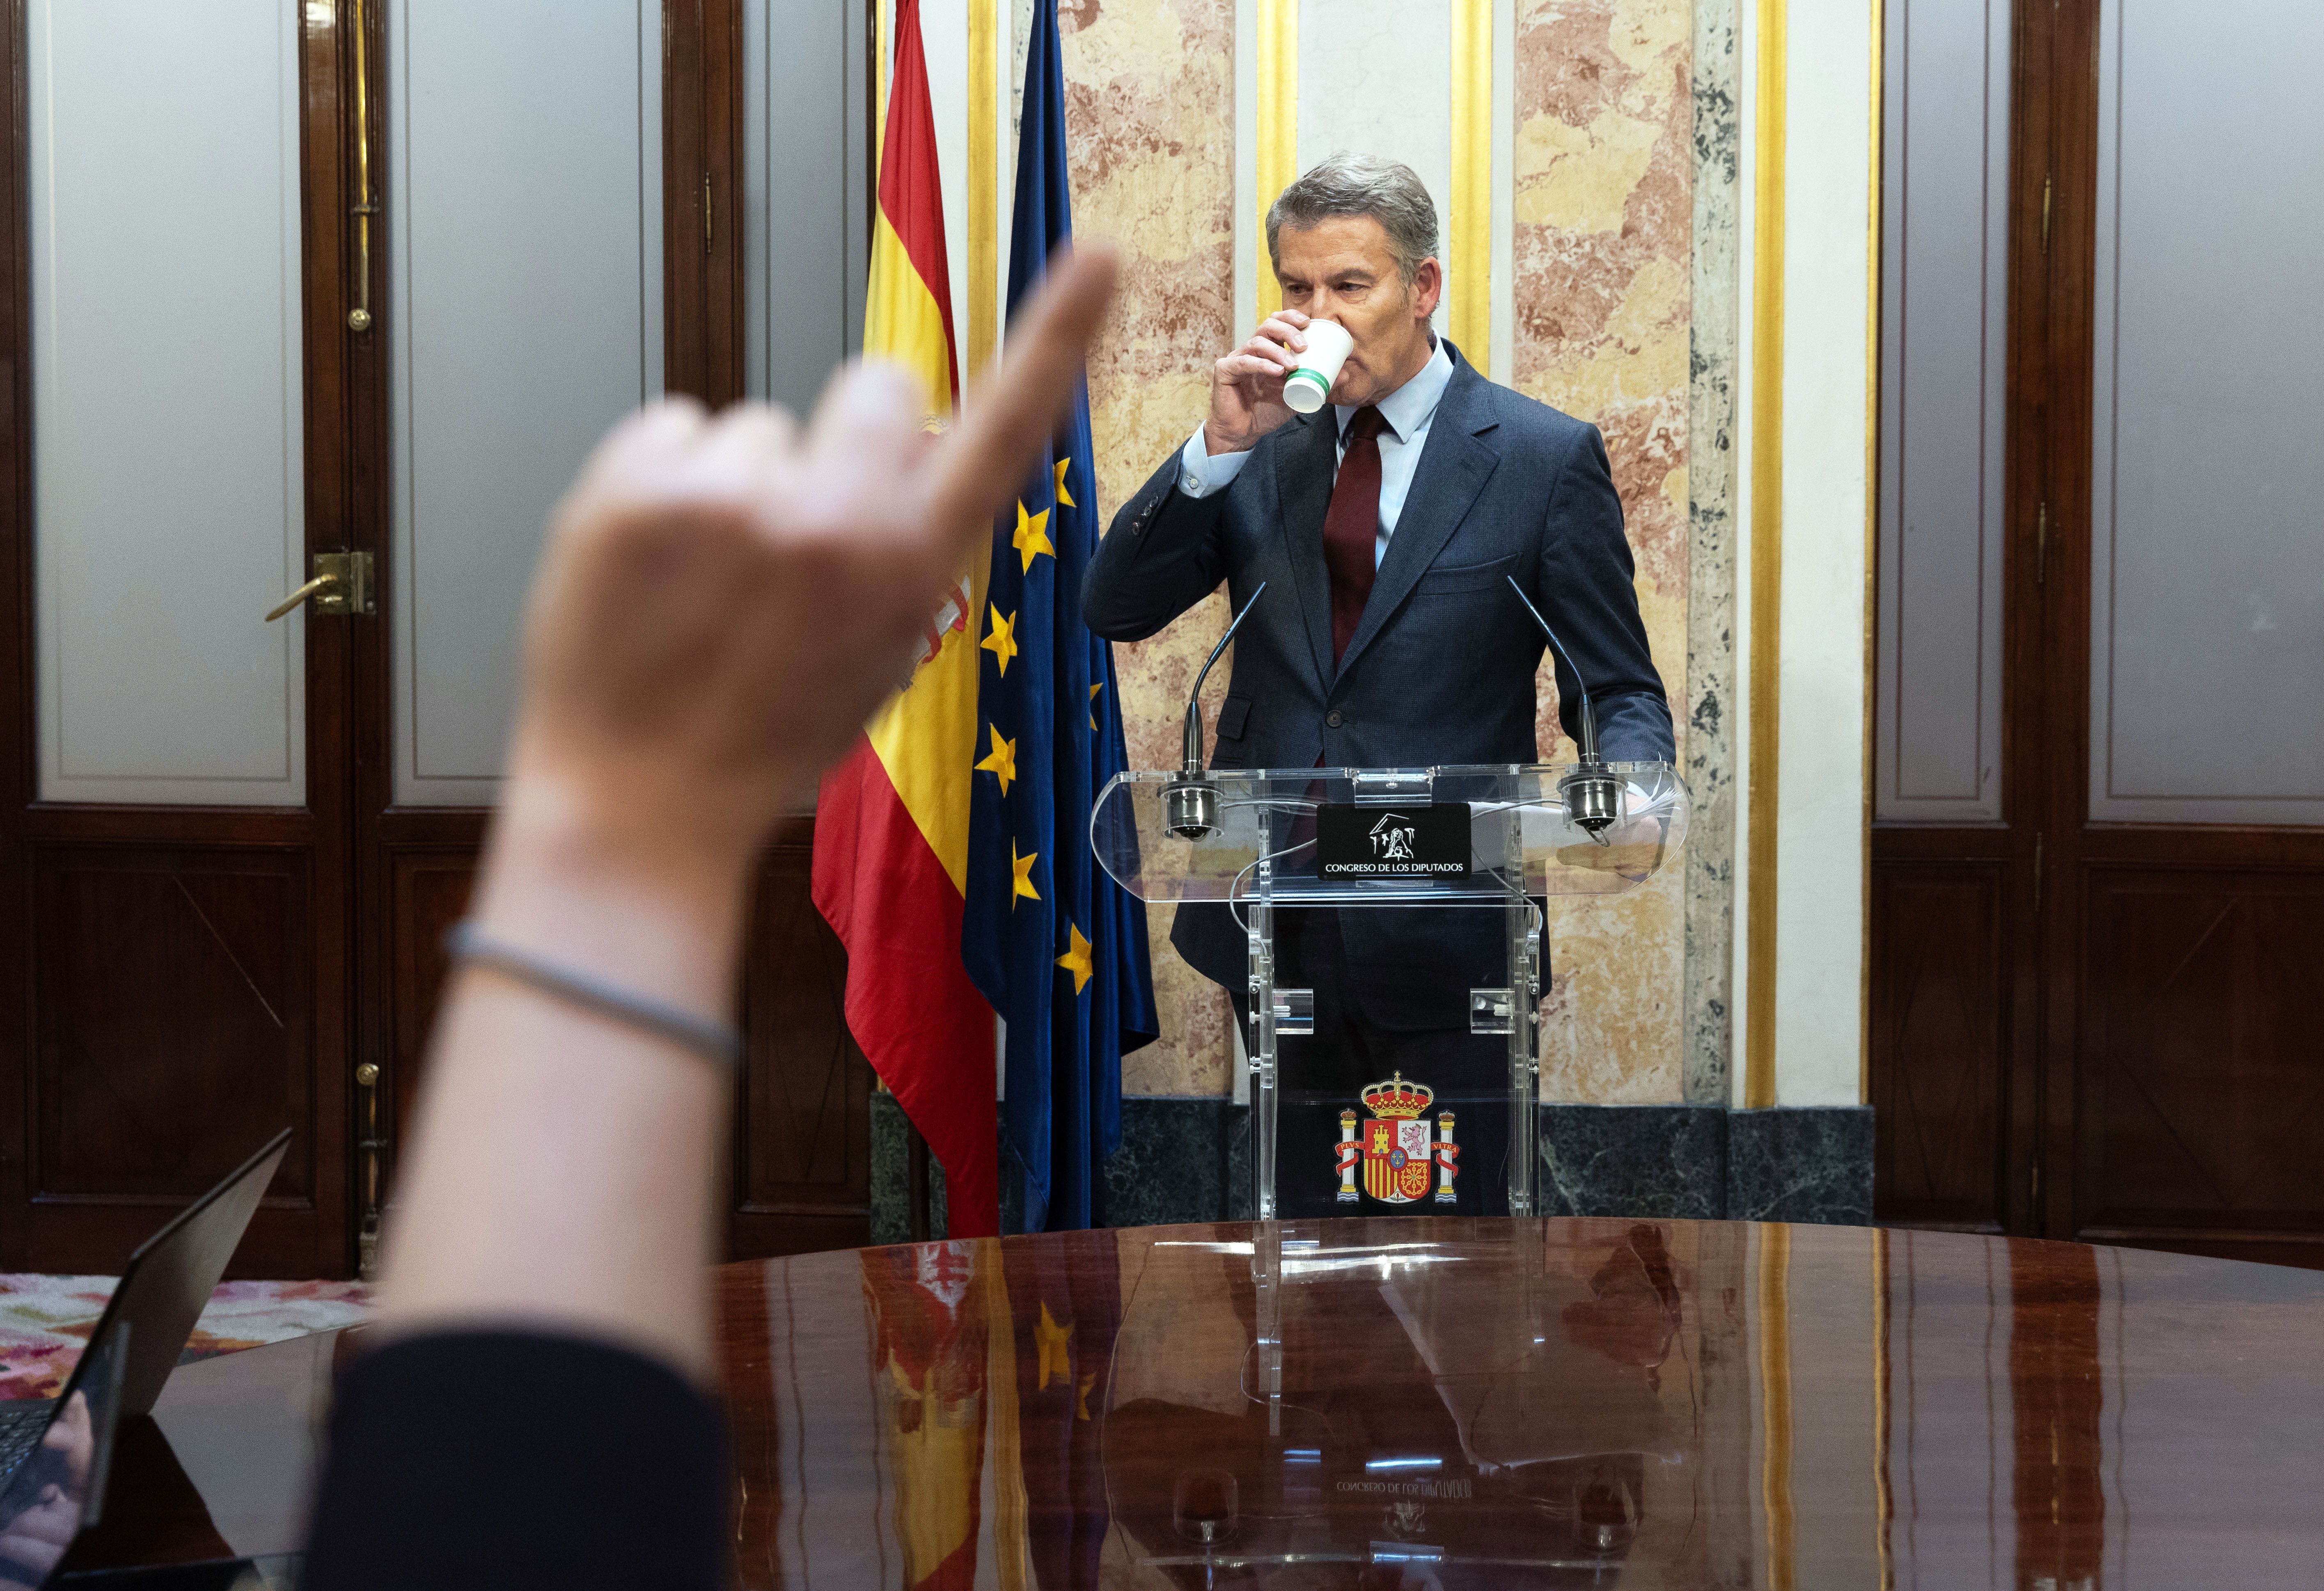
(1375, 78)
(1819, 883)
(1944, 302)
(525, 226)
(168, 496)
(2206, 536)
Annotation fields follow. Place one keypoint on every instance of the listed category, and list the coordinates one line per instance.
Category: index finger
(983, 462)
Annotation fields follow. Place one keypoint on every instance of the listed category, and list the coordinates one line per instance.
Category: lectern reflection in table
(1393, 920)
(1387, 1434)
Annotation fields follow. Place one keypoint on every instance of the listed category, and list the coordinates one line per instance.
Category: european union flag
(1056, 946)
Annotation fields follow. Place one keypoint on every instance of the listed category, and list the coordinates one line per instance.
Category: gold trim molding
(1766, 739)
(983, 187)
(1469, 232)
(1278, 117)
(883, 71)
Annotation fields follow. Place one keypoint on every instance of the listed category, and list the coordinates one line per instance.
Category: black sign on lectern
(1410, 841)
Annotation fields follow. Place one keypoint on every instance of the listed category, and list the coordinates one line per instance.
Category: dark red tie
(1352, 528)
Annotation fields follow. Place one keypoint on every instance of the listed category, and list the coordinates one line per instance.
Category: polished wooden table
(1448, 1403)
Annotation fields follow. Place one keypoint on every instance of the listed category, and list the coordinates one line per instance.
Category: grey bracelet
(719, 1041)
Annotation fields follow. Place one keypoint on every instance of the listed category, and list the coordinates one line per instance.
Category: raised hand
(724, 601)
(1246, 385)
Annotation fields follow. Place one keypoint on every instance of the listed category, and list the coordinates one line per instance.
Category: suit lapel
(1455, 461)
(1305, 454)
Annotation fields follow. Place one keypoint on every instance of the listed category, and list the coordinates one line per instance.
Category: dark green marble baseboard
(1810, 1163)
(1813, 1164)
(1657, 1161)
(1188, 1160)
(892, 1175)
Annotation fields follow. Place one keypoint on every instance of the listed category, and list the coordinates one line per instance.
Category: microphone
(1190, 803)
(1592, 794)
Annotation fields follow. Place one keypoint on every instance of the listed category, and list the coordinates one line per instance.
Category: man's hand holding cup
(1247, 399)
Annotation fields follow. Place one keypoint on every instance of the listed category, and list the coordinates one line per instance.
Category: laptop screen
(60, 1490)
(170, 1276)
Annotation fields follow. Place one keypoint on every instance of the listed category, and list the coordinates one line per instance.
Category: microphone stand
(1190, 803)
(1591, 793)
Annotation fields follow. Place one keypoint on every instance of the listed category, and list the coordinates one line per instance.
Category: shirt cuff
(1200, 474)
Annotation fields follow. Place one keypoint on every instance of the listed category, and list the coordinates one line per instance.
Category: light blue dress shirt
(1409, 411)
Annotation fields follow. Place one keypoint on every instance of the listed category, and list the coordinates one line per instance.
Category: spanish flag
(891, 822)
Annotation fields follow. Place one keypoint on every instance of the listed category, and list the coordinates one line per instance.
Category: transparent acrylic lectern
(1491, 838)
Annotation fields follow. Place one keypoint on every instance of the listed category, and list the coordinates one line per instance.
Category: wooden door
(1957, 829)
(2088, 1012)
(216, 928)
(612, 172)
(519, 284)
(2185, 623)
(174, 771)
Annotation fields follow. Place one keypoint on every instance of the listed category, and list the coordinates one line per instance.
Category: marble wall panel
(1710, 475)
(1602, 232)
(1149, 110)
(1604, 175)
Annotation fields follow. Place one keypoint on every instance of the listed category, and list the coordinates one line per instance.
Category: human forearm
(1160, 558)
(1635, 726)
(1587, 586)
(587, 1140)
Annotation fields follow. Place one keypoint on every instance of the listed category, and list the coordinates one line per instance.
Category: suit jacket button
(1333, 717)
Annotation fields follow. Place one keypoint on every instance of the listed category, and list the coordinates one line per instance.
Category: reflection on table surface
(221, 1468)
(1445, 1404)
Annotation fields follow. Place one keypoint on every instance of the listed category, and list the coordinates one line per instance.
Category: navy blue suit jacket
(1441, 670)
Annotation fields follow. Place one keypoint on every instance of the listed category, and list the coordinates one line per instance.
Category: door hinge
(2037, 878)
(2045, 213)
(706, 214)
(2036, 1211)
(2041, 545)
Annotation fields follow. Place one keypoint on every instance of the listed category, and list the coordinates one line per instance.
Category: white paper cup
(1309, 384)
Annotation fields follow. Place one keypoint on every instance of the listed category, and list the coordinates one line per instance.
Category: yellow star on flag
(1064, 497)
(1002, 759)
(1081, 1406)
(1022, 865)
(1032, 538)
(1076, 959)
(1093, 691)
(1054, 1343)
(1000, 643)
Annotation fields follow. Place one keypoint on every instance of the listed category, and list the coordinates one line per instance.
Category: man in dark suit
(1386, 527)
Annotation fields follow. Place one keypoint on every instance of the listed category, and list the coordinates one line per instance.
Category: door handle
(320, 583)
(342, 585)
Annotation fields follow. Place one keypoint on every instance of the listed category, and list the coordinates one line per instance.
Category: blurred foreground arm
(722, 605)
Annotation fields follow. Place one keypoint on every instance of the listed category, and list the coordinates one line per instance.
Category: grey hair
(1388, 192)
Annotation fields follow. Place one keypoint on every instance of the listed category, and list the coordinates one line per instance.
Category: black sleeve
(1164, 553)
(497, 1458)
(1587, 590)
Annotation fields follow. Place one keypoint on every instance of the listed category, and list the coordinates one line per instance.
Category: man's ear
(1427, 287)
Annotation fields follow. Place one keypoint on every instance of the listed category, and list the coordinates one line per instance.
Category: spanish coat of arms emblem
(1396, 1154)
